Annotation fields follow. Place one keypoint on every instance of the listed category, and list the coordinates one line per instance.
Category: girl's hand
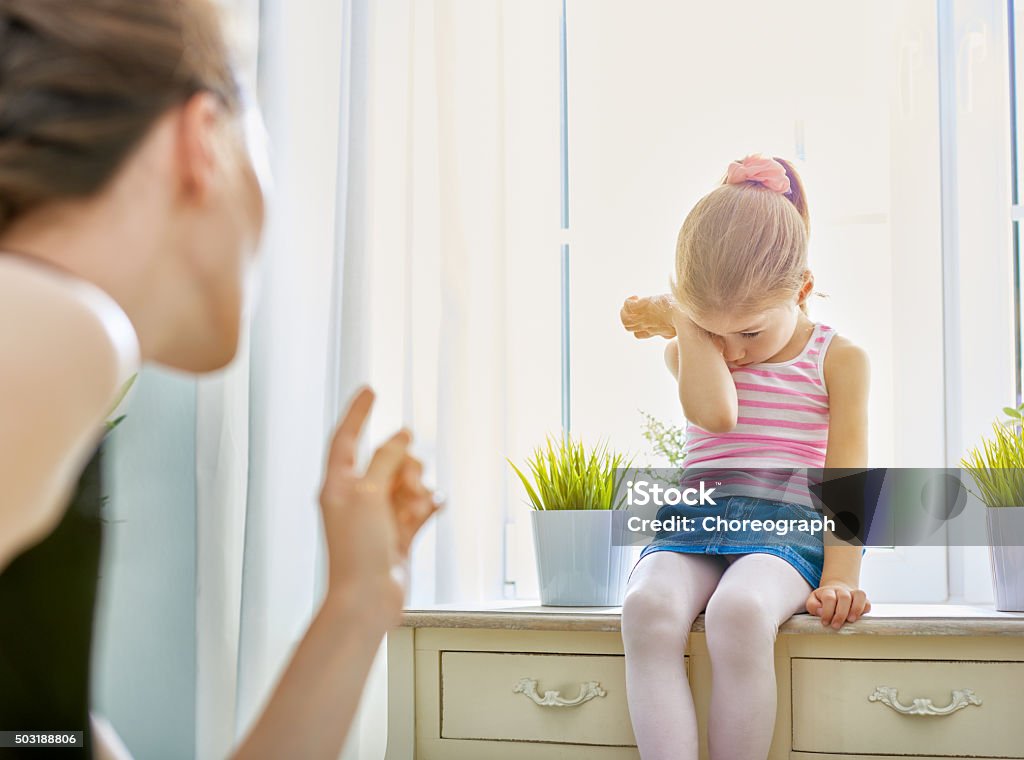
(647, 317)
(837, 603)
(371, 518)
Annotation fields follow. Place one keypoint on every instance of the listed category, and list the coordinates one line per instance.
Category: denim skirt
(729, 527)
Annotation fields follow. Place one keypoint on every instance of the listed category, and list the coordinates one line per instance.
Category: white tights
(746, 598)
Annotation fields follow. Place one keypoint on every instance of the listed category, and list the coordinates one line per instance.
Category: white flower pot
(577, 563)
(1006, 537)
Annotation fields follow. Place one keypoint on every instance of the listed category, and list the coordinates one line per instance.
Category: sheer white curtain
(262, 424)
(430, 324)
(222, 456)
(451, 261)
(450, 282)
(411, 245)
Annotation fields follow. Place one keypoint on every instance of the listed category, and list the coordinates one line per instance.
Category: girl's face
(755, 337)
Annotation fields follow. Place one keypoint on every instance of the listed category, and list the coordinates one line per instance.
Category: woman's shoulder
(66, 349)
(50, 319)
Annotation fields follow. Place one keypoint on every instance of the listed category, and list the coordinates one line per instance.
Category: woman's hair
(82, 82)
(743, 247)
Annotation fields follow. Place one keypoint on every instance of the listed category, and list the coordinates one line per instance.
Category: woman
(129, 216)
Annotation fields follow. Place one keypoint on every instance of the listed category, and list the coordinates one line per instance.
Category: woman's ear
(198, 126)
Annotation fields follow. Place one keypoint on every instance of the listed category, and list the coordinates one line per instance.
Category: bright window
(904, 181)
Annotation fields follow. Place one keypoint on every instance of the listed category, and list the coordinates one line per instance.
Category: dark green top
(47, 600)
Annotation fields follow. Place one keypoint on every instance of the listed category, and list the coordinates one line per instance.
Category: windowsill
(883, 620)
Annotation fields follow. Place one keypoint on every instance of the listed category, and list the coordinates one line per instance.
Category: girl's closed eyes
(745, 335)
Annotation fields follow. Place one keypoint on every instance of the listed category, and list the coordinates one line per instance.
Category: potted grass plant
(997, 468)
(577, 513)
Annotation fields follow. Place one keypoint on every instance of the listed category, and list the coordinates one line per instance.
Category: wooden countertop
(883, 620)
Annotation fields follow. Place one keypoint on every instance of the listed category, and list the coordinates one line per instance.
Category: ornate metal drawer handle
(588, 691)
(961, 698)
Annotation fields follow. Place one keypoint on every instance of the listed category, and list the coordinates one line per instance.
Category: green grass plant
(564, 474)
(997, 465)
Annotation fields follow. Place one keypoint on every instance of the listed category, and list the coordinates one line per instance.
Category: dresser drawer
(492, 695)
(908, 707)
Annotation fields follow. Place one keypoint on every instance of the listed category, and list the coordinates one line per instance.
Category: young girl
(762, 386)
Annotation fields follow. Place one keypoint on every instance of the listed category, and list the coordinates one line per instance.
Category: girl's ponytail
(796, 191)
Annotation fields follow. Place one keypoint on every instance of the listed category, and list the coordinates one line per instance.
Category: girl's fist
(837, 603)
(647, 317)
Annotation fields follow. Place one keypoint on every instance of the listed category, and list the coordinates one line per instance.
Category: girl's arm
(706, 389)
(838, 600)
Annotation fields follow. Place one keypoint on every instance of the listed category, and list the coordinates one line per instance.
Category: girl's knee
(653, 618)
(739, 615)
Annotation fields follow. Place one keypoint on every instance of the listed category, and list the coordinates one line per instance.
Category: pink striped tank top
(782, 426)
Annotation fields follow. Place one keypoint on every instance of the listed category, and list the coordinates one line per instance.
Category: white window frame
(972, 42)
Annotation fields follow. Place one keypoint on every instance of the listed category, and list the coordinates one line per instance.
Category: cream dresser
(515, 680)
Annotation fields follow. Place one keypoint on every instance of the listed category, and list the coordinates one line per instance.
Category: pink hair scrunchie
(754, 168)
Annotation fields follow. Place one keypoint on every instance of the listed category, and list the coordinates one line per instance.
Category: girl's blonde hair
(743, 248)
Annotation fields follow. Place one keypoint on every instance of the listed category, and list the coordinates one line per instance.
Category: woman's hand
(413, 502)
(371, 518)
(647, 317)
(837, 603)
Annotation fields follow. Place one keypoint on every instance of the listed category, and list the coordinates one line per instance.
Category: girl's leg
(665, 593)
(757, 593)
